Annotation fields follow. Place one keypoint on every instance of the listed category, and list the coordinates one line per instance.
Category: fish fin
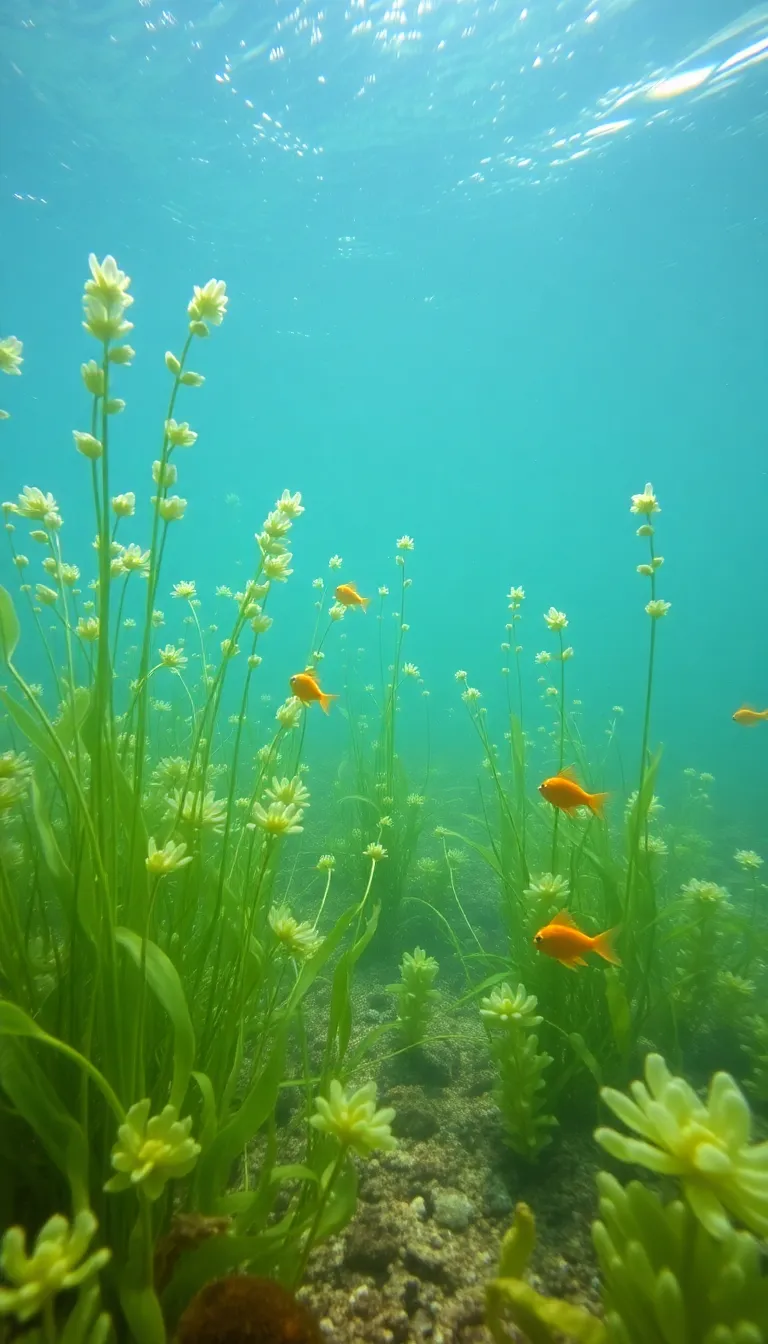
(567, 772)
(573, 964)
(365, 602)
(564, 919)
(326, 701)
(579, 961)
(597, 802)
(602, 944)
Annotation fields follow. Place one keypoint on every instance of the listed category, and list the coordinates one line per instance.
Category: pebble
(452, 1209)
(418, 1207)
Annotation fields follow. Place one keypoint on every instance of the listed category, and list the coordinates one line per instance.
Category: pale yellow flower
(645, 503)
(11, 358)
(209, 302)
(169, 859)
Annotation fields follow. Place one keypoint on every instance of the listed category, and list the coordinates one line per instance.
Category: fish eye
(537, 939)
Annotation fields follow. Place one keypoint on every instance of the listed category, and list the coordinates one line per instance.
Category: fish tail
(603, 945)
(597, 803)
(326, 700)
(364, 603)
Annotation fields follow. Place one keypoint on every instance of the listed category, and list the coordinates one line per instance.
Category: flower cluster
(503, 1007)
(55, 1265)
(298, 940)
(705, 1143)
(278, 818)
(354, 1120)
(151, 1151)
(36, 507)
(105, 301)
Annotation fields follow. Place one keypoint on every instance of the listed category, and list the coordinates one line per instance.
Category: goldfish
(306, 689)
(563, 791)
(749, 717)
(348, 596)
(565, 942)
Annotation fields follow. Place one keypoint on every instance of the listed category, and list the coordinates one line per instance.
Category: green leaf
(48, 845)
(163, 980)
(209, 1124)
(10, 630)
(618, 1010)
(30, 727)
(36, 1100)
(341, 1204)
(15, 1022)
(138, 1298)
(517, 1245)
(586, 1056)
(215, 1165)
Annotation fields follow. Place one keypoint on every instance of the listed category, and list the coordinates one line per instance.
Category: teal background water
(489, 358)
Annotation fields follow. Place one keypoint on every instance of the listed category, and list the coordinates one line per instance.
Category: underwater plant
(415, 995)
(152, 979)
(666, 1275)
(510, 1020)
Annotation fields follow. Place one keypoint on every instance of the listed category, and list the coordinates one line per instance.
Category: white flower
(405, 543)
(45, 595)
(172, 509)
(108, 283)
(326, 863)
(276, 567)
(470, 694)
(748, 860)
(278, 818)
(645, 503)
(515, 596)
(335, 562)
(209, 302)
(337, 612)
(410, 670)
(555, 620)
(415, 800)
(567, 654)
(167, 860)
(383, 591)
(36, 506)
(55, 1265)
(299, 940)
(543, 657)
(164, 474)
(288, 791)
(11, 357)
(124, 506)
(460, 675)
(375, 852)
(290, 505)
(203, 811)
(260, 622)
(277, 524)
(184, 589)
(645, 570)
(657, 608)
(288, 714)
(503, 1007)
(87, 628)
(549, 887)
(105, 321)
(179, 436)
(172, 657)
(134, 560)
(354, 1120)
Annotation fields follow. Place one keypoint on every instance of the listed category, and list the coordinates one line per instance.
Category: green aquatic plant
(755, 1047)
(59, 1262)
(704, 1143)
(415, 994)
(152, 978)
(667, 1278)
(510, 1020)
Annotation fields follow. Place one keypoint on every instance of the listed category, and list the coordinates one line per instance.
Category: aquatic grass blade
(10, 630)
(163, 979)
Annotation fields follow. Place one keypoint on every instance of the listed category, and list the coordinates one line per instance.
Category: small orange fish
(749, 717)
(348, 596)
(306, 689)
(563, 791)
(562, 940)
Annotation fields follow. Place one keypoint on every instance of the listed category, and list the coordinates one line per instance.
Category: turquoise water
(424, 336)
(491, 271)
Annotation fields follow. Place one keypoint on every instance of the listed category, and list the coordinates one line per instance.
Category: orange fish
(562, 940)
(563, 791)
(749, 717)
(348, 596)
(306, 689)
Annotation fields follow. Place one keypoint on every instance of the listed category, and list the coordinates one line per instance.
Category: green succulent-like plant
(706, 1144)
(510, 1019)
(415, 994)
